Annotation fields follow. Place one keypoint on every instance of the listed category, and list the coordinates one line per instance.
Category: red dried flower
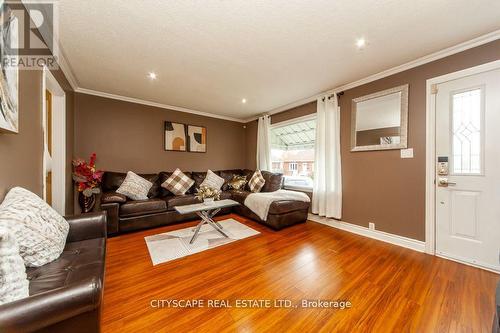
(85, 175)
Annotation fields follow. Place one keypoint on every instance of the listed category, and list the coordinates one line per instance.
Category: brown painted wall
(128, 136)
(379, 186)
(22, 153)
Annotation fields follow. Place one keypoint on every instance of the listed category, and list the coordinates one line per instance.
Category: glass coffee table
(206, 211)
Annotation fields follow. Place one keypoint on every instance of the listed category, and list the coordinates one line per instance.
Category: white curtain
(264, 144)
(327, 190)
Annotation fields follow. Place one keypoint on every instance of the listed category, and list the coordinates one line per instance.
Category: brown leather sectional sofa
(125, 215)
(66, 294)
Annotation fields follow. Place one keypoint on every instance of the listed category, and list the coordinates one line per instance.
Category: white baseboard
(408, 243)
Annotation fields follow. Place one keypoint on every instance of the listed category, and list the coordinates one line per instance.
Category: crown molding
(155, 104)
(66, 68)
(73, 81)
(492, 36)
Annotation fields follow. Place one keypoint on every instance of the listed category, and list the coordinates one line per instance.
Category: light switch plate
(407, 153)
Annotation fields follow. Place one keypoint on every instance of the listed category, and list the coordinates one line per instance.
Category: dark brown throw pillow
(238, 182)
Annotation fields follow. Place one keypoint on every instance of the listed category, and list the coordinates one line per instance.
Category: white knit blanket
(259, 203)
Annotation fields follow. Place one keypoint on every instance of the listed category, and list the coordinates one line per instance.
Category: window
(466, 132)
(292, 152)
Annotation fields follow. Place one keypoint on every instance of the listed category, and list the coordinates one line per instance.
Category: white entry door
(468, 191)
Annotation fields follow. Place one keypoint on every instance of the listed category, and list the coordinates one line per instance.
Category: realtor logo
(28, 34)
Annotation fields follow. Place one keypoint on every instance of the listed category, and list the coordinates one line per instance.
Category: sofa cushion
(13, 279)
(238, 195)
(198, 178)
(111, 181)
(247, 173)
(257, 182)
(273, 181)
(287, 206)
(142, 207)
(110, 197)
(225, 195)
(39, 230)
(79, 260)
(212, 180)
(228, 175)
(180, 200)
(178, 183)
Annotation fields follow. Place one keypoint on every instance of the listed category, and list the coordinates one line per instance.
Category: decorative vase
(86, 203)
(208, 201)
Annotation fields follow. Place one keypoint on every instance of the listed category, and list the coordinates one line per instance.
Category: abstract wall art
(175, 136)
(197, 137)
(9, 76)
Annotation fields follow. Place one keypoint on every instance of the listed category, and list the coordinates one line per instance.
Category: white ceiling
(209, 54)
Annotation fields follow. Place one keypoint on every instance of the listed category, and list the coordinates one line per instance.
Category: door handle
(444, 182)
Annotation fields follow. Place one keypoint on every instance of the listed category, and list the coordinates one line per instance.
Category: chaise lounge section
(126, 215)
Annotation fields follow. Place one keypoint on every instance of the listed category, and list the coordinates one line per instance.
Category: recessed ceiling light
(360, 43)
(152, 75)
(244, 100)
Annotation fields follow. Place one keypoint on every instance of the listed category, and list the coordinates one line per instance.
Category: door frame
(430, 145)
(50, 83)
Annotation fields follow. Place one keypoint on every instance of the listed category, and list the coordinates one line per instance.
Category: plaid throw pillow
(257, 182)
(178, 183)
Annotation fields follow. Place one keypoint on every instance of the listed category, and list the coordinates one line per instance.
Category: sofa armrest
(113, 211)
(86, 226)
(48, 308)
(110, 197)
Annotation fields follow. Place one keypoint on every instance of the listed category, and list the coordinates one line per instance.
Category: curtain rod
(338, 95)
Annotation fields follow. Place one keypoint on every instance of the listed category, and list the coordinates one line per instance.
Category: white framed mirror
(380, 120)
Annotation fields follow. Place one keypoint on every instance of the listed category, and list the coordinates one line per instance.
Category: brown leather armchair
(66, 294)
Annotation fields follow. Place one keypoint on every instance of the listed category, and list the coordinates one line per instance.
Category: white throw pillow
(39, 230)
(135, 187)
(213, 181)
(14, 283)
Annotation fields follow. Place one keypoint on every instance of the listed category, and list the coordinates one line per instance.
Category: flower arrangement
(205, 192)
(86, 176)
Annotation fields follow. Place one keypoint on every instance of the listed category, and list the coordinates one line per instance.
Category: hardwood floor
(392, 289)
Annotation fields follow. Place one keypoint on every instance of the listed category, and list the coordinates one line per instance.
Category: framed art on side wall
(175, 136)
(9, 76)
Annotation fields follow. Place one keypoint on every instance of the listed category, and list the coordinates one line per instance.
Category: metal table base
(207, 218)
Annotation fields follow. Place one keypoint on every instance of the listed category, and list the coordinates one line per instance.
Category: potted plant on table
(87, 179)
(207, 194)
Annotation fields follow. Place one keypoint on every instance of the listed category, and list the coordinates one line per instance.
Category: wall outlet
(371, 226)
(407, 153)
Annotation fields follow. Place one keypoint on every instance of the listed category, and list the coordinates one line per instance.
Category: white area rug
(175, 244)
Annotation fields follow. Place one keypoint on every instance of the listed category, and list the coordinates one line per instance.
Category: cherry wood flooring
(392, 289)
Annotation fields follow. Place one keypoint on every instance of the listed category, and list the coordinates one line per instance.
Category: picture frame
(9, 77)
(197, 139)
(175, 136)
